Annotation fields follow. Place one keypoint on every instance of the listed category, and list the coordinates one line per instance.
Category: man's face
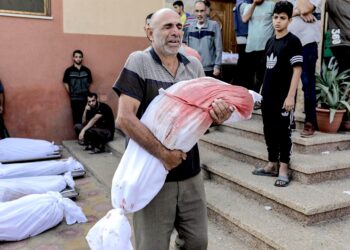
(280, 21)
(200, 12)
(178, 9)
(166, 33)
(92, 102)
(78, 59)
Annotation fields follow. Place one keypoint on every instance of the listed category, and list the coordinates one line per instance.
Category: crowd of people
(278, 47)
(279, 40)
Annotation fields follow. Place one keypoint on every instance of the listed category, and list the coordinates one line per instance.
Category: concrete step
(264, 228)
(320, 142)
(103, 166)
(307, 168)
(307, 204)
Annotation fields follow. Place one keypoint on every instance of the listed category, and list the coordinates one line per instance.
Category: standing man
(204, 36)
(3, 130)
(241, 30)
(181, 202)
(179, 8)
(97, 126)
(259, 17)
(307, 27)
(339, 26)
(77, 80)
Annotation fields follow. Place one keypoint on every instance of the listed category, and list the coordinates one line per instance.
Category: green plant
(332, 89)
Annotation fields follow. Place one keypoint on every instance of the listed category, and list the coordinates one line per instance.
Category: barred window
(26, 7)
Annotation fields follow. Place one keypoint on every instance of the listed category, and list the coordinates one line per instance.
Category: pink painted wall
(34, 54)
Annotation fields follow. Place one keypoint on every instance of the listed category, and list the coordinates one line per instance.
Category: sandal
(96, 151)
(283, 181)
(262, 172)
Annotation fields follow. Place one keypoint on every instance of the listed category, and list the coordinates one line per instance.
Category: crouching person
(97, 126)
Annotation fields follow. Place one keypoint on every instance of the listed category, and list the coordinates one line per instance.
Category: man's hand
(216, 72)
(221, 111)
(1, 109)
(87, 107)
(308, 18)
(288, 104)
(173, 158)
(81, 135)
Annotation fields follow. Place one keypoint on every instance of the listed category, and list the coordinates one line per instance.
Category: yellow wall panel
(108, 17)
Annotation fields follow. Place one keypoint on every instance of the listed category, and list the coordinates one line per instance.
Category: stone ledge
(308, 203)
(272, 228)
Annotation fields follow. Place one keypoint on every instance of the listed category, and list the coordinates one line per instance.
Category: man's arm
(290, 100)
(249, 13)
(90, 124)
(67, 87)
(1, 103)
(218, 51)
(132, 127)
(83, 119)
(304, 9)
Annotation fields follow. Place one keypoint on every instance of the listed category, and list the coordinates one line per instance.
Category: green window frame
(26, 7)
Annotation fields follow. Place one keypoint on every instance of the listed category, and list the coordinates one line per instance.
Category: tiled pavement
(93, 199)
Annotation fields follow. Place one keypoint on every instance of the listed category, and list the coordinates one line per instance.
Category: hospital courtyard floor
(93, 198)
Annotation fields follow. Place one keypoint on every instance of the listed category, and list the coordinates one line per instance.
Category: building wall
(36, 52)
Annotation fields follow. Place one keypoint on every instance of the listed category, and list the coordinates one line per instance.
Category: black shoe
(96, 151)
(88, 147)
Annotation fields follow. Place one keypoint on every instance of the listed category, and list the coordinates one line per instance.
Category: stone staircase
(249, 212)
(311, 213)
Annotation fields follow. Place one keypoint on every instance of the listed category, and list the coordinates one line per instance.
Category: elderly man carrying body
(181, 202)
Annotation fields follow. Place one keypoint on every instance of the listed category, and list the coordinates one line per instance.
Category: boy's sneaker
(309, 130)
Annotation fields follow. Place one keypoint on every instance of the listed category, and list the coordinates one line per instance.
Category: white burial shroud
(39, 168)
(18, 149)
(177, 117)
(33, 214)
(11, 189)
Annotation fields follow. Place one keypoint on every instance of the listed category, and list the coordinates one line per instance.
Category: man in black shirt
(77, 80)
(98, 125)
(3, 130)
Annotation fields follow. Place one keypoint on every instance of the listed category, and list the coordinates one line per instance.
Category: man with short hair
(180, 9)
(181, 202)
(204, 36)
(3, 131)
(306, 25)
(258, 14)
(97, 126)
(77, 80)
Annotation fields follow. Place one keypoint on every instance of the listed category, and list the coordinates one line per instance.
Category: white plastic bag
(17, 149)
(40, 168)
(34, 214)
(11, 189)
(177, 117)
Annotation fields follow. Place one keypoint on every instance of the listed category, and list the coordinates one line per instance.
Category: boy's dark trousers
(277, 131)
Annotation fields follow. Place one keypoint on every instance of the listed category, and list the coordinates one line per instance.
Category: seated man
(98, 125)
(3, 130)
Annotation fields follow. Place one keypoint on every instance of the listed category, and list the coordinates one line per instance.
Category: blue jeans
(310, 55)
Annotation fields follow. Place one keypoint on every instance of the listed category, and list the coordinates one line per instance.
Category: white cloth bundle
(11, 189)
(17, 149)
(177, 117)
(40, 168)
(33, 214)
